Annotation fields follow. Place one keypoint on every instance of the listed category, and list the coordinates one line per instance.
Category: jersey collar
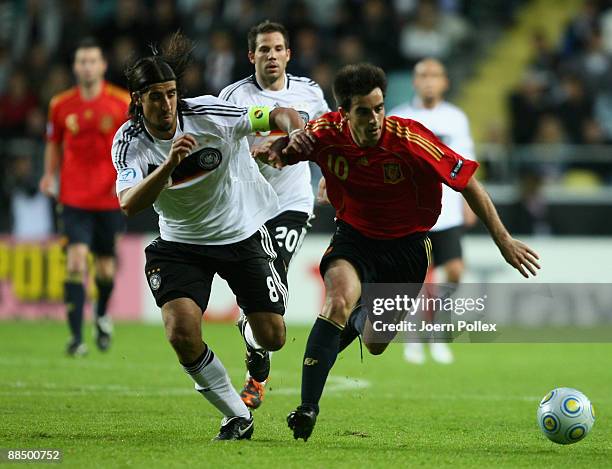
(95, 98)
(146, 131)
(180, 107)
(417, 103)
(260, 88)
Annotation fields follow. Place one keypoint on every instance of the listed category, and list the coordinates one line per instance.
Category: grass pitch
(135, 407)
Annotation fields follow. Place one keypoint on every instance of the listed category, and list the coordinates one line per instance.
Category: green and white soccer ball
(565, 416)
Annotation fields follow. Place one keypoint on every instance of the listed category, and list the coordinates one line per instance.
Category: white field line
(72, 363)
(335, 384)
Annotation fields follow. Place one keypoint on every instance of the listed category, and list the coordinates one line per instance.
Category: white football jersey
(216, 195)
(449, 124)
(292, 183)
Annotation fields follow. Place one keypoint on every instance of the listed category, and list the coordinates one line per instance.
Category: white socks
(250, 338)
(212, 381)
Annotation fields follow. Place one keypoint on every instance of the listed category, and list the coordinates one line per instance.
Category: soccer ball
(565, 416)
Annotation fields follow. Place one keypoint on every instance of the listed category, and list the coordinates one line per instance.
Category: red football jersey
(86, 130)
(394, 188)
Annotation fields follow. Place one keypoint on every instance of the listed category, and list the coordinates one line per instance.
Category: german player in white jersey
(449, 124)
(189, 158)
(270, 85)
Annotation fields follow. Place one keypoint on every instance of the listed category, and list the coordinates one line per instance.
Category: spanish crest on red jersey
(392, 189)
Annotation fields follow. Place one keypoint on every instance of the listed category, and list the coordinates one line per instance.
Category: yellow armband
(260, 118)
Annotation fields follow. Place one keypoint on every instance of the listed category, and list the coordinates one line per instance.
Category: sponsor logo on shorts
(258, 114)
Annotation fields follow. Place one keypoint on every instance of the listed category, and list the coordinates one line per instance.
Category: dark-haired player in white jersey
(189, 158)
(449, 124)
(270, 85)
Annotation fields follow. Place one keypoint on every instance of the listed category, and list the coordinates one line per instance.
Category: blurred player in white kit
(270, 85)
(450, 124)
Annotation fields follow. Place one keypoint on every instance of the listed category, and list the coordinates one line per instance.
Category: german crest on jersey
(393, 173)
(208, 158)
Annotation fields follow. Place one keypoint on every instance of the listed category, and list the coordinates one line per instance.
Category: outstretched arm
(517, 254)
(289, 121)
(285, 119)
(298, 141)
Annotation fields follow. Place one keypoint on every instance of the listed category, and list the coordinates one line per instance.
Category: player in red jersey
(81, 125)
(384, 177)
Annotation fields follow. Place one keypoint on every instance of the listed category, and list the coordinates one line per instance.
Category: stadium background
(535, 78)
(536, 82)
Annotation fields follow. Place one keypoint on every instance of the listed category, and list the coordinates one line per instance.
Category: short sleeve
(322, 106)
(234, 122)
(55, 129)
(126, 160)
(228, 94)
(250, 120)
(453, 169)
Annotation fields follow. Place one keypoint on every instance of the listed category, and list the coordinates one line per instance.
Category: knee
(338, 309)
(268, 329)
(454, 276)
(183, 337)
(275, 343)
(76, 259)
(180, 339)
(454, 271)
(182, 324)
(76, 268)
(273, 339)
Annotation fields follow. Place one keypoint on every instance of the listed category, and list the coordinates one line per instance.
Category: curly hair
(357, 80)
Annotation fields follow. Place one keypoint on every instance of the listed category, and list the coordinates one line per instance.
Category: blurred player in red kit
(81, 125)
(384, 178)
